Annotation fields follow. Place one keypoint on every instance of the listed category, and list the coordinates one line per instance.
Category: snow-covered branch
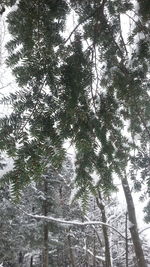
(91, 253)
(72, 222)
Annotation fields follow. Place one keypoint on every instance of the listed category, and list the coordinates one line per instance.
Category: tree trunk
(126, 235)
(86, 252)
(94, 249)
(45, 228)
(20, 260)
(71, 251)
(104, 228)
(31, 261)
(133, 224)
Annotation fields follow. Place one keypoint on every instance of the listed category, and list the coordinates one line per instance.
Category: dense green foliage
(89, 89)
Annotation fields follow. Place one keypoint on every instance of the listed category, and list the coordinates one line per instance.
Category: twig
(77, 26)
(138, 23)
(140, 232)
(121, 36)
(1, 88)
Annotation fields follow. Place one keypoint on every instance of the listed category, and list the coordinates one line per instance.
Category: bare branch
(140, 232)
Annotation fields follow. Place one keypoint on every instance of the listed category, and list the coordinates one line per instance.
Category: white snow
(130, 225)
(72, 222)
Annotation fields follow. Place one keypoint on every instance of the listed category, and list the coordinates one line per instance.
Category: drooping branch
(73, 222)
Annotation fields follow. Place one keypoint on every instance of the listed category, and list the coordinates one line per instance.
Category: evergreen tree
(89, 91)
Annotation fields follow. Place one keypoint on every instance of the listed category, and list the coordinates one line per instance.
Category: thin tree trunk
(45, 252)
(94, 243)
(94, 249)
(133, 224)
(86, 253)
(104, 228)
(20, 260)
(31, 261)
(126, 235)
(45, 228)
(72, 260)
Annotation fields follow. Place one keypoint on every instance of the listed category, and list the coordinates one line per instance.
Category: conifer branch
(33, 111)
(101, 9)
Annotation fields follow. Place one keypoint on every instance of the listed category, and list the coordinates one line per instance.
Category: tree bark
(86, 253)
(141, 262)
(20, 260)
(31, 261)
(45, 227)
(104, 228)
(94, 249)
(126, 235)
(72, 260)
